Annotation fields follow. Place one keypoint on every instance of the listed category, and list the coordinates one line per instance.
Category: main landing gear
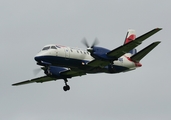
(66, 87)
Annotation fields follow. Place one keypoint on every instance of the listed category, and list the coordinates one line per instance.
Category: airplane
(62, 62)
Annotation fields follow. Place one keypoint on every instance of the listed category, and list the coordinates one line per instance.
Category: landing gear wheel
(67, 87)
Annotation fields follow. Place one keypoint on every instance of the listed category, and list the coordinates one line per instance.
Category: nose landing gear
(66, 87)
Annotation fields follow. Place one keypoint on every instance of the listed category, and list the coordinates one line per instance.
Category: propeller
(36, 71)
(90, 48)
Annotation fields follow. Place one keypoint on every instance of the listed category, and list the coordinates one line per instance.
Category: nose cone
(42, 60)
(37, 58)
(43, 56)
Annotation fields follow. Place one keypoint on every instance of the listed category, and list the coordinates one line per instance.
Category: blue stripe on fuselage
(61, 61)
(76, 63)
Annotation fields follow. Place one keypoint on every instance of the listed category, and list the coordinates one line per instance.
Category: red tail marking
(137, 64)
(130, 38)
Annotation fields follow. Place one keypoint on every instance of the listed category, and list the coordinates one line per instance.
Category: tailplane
(138, 56)
(130, 36)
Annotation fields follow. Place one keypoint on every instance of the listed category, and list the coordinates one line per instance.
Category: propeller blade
(96, 42)
(90, 49)
(36, 71)
(84, 41)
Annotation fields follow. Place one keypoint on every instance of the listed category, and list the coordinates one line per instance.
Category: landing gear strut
(66, 87)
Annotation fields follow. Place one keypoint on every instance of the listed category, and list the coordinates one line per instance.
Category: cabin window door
(67, 53)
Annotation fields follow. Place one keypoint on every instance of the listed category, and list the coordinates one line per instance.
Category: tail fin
(130, 36)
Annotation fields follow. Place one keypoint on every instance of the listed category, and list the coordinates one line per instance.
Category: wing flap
(138, 56)
(118, 52)
(38, 80)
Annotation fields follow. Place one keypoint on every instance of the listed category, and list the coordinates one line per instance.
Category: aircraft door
(56, 52)
(67, 53)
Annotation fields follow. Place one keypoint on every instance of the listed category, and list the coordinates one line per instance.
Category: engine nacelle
(100, 53)
(55, 71)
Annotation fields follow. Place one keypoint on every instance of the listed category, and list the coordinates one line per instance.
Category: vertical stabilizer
(130, 36)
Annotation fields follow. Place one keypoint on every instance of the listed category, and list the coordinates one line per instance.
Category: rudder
(130, 36)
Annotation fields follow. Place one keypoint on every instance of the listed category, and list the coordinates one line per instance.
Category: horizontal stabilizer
(138, 56)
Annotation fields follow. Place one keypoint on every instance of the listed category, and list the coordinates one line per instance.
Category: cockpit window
(53, 47)
(58, 46)
(46, 48)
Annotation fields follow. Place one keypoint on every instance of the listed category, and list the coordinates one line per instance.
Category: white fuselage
(84, 55)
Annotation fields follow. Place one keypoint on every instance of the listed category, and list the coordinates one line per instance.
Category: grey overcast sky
(27, 25)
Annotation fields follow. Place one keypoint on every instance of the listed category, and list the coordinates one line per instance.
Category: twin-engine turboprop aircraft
(61, 62)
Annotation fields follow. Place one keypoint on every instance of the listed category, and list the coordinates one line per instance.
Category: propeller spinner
(90, 48)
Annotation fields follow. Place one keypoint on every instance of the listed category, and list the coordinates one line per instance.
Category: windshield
(49, 47)
(53, 47)
(46, 48)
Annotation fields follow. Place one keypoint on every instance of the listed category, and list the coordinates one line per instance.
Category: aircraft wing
(118, 52)
(138, 56)
(38, 80)
(63, 74)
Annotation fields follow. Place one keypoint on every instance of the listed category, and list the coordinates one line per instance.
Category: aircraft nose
(37, 58)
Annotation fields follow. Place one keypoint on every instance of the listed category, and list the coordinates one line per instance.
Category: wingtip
(14, 84)
(159, 28)
(157, 42)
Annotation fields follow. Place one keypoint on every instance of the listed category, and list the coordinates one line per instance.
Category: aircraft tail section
(138, 56)
(130, 36)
